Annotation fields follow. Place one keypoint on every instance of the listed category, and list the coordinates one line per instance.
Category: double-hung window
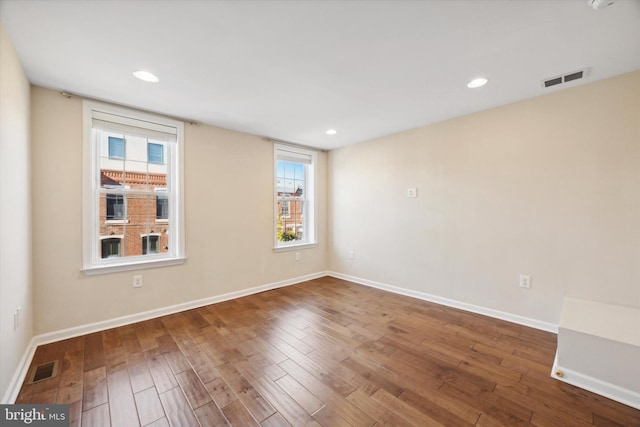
(132, 190)
(294, 194)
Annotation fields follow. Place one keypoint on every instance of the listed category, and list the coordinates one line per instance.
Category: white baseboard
(513, 318)
(595, 385)
(577, 379)
(21, 372)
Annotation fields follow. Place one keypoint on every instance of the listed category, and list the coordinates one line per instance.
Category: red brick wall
(140, 216)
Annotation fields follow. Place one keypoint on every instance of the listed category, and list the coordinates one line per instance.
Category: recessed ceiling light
(146, 76)
(479, 82)
(599, 4)
(331, 132)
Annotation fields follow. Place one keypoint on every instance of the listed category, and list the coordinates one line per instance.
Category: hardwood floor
(325, 353)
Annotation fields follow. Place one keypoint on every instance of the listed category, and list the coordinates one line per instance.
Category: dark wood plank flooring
(321, 353)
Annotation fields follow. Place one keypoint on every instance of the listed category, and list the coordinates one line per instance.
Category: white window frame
(310, 205)
(92, 263)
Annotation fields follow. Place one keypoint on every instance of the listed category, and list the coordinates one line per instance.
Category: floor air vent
(576, 75)
(43, 372)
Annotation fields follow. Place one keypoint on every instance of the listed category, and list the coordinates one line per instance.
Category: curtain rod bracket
(69, 95)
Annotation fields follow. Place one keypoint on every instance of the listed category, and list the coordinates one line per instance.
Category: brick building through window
(133, 224)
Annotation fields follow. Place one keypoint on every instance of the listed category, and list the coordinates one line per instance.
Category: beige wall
(548, 187)
(545, 187)
(15, 213)
(229, 211)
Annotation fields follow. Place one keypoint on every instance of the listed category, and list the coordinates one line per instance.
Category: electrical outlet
(525, 281)
(412, 192)
(352, 255)
(137, 281)
(298, 256)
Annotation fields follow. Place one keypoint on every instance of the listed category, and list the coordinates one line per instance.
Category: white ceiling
(290, 70)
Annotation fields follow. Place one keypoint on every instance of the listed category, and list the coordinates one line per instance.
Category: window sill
(116, 221)
(138, 265)
(295, 247)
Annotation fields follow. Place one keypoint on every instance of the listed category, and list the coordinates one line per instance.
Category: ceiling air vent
(576, 75)
(552, 82)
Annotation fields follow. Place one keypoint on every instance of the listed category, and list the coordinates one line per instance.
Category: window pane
(111, 151)
(132, 217)
(136, 167)
(290, 179)
(153, 244)
(142, 212)
(111, 178)
(289, 170)
(162, 207)
(284, 208)
(110, 248)
(149, 245)
(290, 227)
(116, 148)
(115, 207)
(155, 153)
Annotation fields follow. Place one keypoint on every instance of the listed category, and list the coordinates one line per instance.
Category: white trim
(295, 247)
(586, 382)
(116, 116)
(147, 263)
(159, 312)
(20, 374)
(497, 314)
(595, 385)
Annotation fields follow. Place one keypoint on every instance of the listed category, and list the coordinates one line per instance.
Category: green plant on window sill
(285, 236)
